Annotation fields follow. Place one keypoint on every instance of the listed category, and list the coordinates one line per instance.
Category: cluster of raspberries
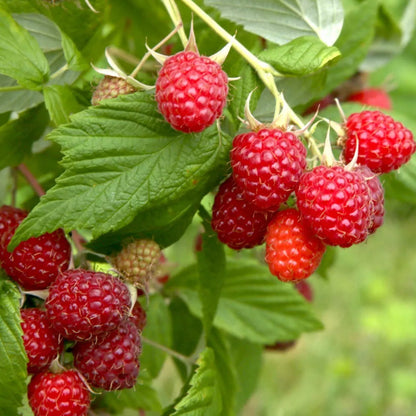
(337, 205)
(85, 312)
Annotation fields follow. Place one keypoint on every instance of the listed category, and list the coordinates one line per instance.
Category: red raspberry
(191, 91)
(161, 273)
(111, 87)
(36, 262)
(41, 342)
(376, 97)
(336, 204)
(82, 304)
(384, 144)
(138, 261)
(377, 197)
(292, 251)
(267, 166)
(112, 362)
(238, 223)
(63, 394)
(138, 316)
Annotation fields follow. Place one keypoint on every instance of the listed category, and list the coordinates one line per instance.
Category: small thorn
(341, 111)
(251, 121)
(191, 46)
(308, 124)
(160, 57)
(353, 163)
(222, 54)
(234, 78)
(328, 157)
(90, 6)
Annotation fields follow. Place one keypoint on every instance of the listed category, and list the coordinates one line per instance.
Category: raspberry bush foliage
(233, 171)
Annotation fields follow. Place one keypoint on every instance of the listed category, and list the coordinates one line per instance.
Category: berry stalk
(176, 18)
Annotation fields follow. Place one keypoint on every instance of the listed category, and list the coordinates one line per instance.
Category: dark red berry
(191, 91)
(336, 204)
(36, 262)
(110, 363)
(383, 144)
(63, 394)
(267, 166)
(375, 97)
(238, 223)
(138, 316)
(293, 252)
(82, 304)
(42, 344)
(377, 198)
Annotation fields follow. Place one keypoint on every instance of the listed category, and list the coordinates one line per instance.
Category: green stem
(59, 71)
(11, 88)
(186, 360)
(175, 16)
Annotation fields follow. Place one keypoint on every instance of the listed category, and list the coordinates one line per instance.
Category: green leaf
(211, 271)
(18, 135)
(73, 56)
(281, 21)
(301, 56)
(387, 41)
(247, 359)
(123, 159)
(227, 374)
(186, 332)
(253, 305)
(141, 396)
(17, 99)
(158, 329)
(61, 103)
(13, 358)
(407, 22)
(20, 55)
(203, 397)
(354, 42)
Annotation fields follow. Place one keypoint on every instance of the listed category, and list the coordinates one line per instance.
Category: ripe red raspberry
(293, 252)
(138, 261)
(112, 362)
(267, 166)
(377, 197)
(82, 304)
(383, 144)
(36, 262)
(191, 91)
(111, 87)
(376, 97)
(336, 204)
(238, 223)
(41, 342)
(138, 316)
(63, 394)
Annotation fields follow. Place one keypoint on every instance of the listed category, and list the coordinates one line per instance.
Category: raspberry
(112, 362)
(292, 251)
(384, 144)
(138, 316)
(111, 87)
(191, 91)
(138, 261)
(41, 342)
(82, 304)
(376, 97)
(336, 204)
(267, 166)
(377, 197)
(63, 394)
(238, 223)
(36, 262)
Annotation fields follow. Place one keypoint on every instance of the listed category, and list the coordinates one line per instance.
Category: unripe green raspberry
(138, 261)
(111, 87)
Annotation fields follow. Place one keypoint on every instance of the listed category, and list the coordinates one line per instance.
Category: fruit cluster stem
(186, 360)
(176, 18)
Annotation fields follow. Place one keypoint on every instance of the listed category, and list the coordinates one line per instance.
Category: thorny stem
(175, 16)
(186, 360)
